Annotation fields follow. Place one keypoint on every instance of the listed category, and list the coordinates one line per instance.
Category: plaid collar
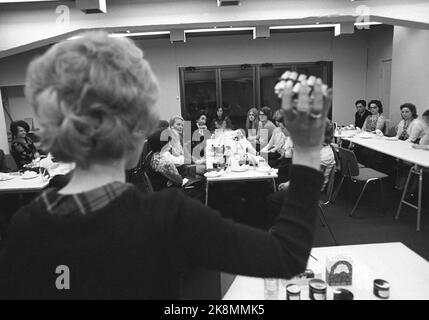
(81, 203)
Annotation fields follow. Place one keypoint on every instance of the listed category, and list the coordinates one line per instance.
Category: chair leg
(337, 191)
(357, 202)
(419, 205)
(404, 193)
(381, 196)
(322, 217)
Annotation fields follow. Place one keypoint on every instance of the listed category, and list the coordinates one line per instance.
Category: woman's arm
(365, 124)
(279, 141)
(269, 145)
(381, 123)
(417, 129)
(420, 146)
(399, 128)
(205, 239)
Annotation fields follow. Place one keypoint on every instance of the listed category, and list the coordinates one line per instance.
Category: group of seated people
(410, 128)
(168, 157)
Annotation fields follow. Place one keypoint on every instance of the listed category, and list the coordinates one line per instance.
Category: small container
(293, 292)
(342, 294)
(381, 288)
(317, 289)
(271, 289)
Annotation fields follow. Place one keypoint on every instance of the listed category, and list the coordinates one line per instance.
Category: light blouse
(414, 131)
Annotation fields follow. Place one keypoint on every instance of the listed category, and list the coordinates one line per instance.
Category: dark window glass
(199, 92)
(237, 94)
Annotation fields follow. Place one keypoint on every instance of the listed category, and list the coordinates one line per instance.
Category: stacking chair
(339, 168)
(327, 199)
(351, 170)
(418, 171)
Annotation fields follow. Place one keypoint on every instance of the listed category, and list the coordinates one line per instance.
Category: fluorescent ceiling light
(219, 29)
(16, 1)
(128, 34)
(310, 26)
(74, 37)
(367, 23)
(136, 34)
(304, 26)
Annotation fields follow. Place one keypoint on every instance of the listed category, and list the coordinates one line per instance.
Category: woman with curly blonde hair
(96, 100)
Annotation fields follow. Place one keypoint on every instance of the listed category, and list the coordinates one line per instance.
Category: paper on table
(184, 181)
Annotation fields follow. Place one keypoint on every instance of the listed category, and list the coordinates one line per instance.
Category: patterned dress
(23, 153)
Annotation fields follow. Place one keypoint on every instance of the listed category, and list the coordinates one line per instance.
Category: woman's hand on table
(420, 147)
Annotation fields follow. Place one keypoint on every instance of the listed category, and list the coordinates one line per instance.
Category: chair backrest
(349, 164)
(337, 157)
(145, 150)
(10, 162)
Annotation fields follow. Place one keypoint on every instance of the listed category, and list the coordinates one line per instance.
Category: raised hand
(305, 105)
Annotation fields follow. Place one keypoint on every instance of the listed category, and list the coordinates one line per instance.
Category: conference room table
(251, 174)
(406, 272)
(398, 149)
(20, 184)
(389, 146)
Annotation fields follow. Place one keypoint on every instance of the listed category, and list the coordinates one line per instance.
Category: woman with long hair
(221, 121)
(252, 122)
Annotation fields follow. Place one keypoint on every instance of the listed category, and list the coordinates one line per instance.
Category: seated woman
(376, 120)
(410, 128)
(327, 160)
(424, 141)
(252, 123)
(221, 120)
(277, 141)
(161, 161)
(265, 128)
(106, 232)
(22, 148)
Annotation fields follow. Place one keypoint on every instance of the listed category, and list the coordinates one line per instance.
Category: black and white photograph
(212, 155)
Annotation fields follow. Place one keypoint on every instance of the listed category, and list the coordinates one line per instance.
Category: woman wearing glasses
(375, 121)
(265, 127)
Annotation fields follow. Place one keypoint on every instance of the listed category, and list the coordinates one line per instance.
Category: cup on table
(271, 289)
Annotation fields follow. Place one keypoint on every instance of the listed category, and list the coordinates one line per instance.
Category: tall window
(238, 88)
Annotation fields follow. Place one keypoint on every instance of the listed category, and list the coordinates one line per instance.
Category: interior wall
(4, 145)
(19, 107)
(379, 53)
(410, 70)
(349, 53)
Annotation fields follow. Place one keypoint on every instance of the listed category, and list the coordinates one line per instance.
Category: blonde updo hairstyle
(95, 98)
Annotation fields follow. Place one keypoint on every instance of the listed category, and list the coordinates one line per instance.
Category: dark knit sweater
(138, 245)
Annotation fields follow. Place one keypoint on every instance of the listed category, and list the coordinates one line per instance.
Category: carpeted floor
(370, 225)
